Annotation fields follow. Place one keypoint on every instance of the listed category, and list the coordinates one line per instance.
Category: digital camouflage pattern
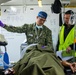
(39, 59)
(30, 30)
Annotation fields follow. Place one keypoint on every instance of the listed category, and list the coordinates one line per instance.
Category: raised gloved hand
(1, 24)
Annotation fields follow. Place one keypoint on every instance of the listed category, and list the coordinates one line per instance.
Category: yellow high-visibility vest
(69, 39)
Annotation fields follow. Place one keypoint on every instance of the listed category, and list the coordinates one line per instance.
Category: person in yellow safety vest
(66, 34)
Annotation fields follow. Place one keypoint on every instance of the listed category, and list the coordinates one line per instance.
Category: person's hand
(1, 24)
(71, 65)
(9, 71)
(68, 49)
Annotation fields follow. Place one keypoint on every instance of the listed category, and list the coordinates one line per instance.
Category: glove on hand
(1, 24)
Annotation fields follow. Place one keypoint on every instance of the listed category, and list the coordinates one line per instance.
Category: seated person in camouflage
(38, 59)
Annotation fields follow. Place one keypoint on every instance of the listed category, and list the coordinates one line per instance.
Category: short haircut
(69, 12)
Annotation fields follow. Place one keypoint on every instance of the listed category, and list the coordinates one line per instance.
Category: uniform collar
(39, 26)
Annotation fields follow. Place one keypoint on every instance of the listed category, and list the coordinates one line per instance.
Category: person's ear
(37, 17)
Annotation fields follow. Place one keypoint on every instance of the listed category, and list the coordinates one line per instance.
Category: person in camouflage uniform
(38, 59)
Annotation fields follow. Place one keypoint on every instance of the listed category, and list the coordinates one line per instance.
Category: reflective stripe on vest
(69, 39)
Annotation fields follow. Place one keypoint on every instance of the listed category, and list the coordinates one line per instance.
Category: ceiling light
(40, 3)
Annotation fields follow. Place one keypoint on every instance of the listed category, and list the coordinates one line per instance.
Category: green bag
(66, 54)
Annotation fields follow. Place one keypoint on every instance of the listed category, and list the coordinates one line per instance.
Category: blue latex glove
(1, 24)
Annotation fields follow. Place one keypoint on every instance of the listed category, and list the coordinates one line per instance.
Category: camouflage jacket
(43, 37)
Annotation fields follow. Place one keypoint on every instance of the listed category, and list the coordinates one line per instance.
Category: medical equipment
(5, 60)
(24, 47)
